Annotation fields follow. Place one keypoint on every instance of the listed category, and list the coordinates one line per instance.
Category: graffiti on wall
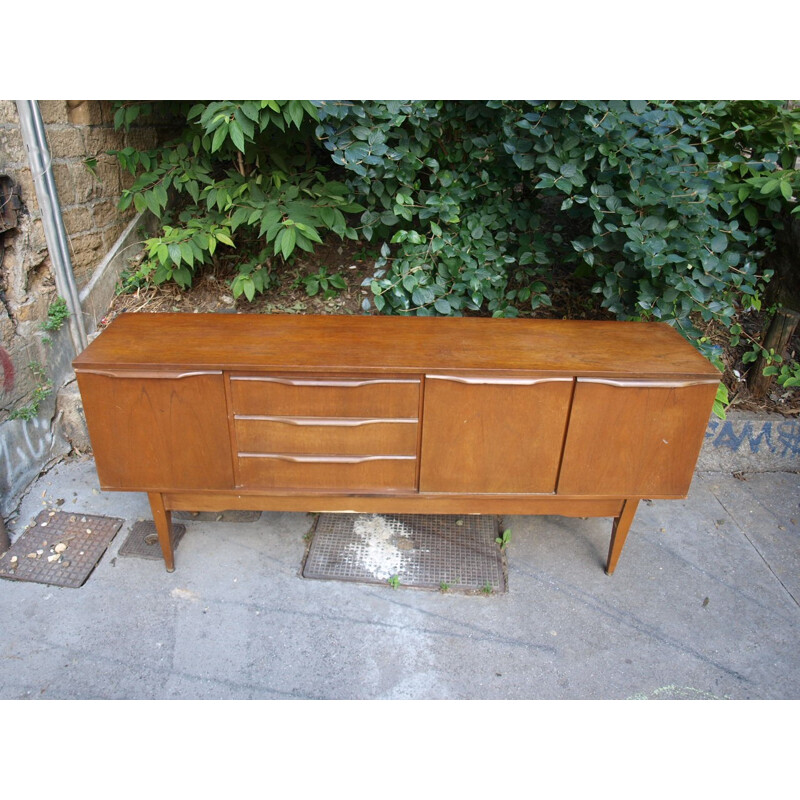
(8, 371)
(779, 438)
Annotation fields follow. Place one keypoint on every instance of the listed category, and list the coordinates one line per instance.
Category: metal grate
(142, 541)
(59, 549)
(422, 550)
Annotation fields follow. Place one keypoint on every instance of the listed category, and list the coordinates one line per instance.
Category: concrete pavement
(705, 604)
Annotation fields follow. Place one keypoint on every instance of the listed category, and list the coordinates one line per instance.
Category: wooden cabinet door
(634, 437)
(487, 436)
(152, 432)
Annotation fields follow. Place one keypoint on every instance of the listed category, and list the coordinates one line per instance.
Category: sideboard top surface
(392, 344)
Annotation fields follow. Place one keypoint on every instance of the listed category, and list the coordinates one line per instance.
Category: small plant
(253, 276)
(487, 588)
(504, 539)
(394, 581)
(57, 314)
(788, 375)
(329, 285)
(444, 587)
(44, 389)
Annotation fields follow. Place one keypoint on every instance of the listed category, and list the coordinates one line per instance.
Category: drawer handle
(645, 384)
(138, 373)
(325, 459)
(345, 384)
(333, 422)
(497, 381)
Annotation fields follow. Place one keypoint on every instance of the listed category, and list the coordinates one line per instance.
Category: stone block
(12, 149)
(141, 138)
(77, 219)
(84, 112)
(65, 143)
(8, 112)
(84, 183)
(53, 111)
(108, 174)
(86, 250)
(99, 139)
(33, 309)
(107, 110)
(62, 175)
(71, 418)
(104, 213)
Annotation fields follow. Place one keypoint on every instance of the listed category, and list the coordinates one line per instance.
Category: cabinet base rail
(623, 510)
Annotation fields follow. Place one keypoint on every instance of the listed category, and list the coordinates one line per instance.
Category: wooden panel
(158, 433)
(358, 475)
(325, 344)
(351, 436)
(304, 396)
(628, 439)
(492, 437)
(396, 503)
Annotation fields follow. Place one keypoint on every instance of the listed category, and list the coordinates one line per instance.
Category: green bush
(666, 208)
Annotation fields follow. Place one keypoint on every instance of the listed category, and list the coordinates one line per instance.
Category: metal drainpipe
(55, 234)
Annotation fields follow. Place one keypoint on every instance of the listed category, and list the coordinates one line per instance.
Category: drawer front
(344, 436)
(358, 474)
(303, 396)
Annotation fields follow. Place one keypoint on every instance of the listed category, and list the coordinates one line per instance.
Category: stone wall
(34, 363)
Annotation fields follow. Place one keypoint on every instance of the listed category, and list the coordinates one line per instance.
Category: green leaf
(237, 135)
(219, 138)
(719, 243)
(770, 185)
(786, 189)
(288, 241)
(524, 161)
(443, 307)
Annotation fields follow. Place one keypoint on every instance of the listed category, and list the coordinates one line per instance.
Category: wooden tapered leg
(163, 520)
(619, 532)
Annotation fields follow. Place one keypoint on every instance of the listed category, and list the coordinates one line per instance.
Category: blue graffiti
(781, 438)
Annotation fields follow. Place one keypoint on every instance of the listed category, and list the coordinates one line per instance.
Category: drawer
(304, 396)
(342, 436)
(318, 473)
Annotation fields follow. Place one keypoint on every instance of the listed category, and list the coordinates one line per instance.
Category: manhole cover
(59, 549)
(429, 551)
(142, 541)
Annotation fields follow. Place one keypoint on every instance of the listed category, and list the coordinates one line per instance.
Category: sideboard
(207, 412)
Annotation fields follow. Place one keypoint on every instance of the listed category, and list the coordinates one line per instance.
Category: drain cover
(59, 549)
(423, 550)
(142, 541)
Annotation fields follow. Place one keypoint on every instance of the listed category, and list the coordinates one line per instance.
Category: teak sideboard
(208, 412)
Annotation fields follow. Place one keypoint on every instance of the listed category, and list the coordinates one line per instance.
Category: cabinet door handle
(139, 373)
(497, 381)
(325, 459)
(345, 384)
(333, 422)
(647, 384)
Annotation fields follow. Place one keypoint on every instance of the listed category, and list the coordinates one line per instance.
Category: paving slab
(703, 605)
